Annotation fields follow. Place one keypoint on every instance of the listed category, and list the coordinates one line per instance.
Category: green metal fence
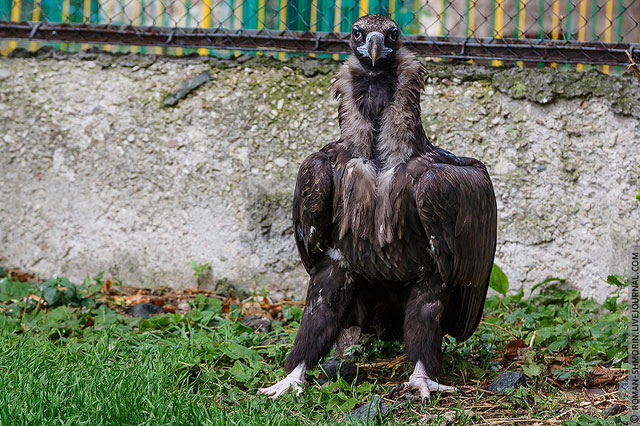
(582, 32)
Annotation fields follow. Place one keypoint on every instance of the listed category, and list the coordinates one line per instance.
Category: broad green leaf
(237, 351)
(104, 316)
(532, 370)
(498, 280)
(242, 373)
(519, 295)
(349, 404)
(51, 295)
(213, 305)
(617, 280)
(13, 290)
(611, 303)
(292, 313)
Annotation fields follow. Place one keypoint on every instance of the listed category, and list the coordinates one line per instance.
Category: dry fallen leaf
(511, 351)
(602, 376)
(559, 362)
(136, 299)
(169, 308)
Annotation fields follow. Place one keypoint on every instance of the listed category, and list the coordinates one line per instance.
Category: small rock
(4, 74)
(144, 310)
(20, 52)
(450, 416)
(348, 370)
(45, 52)
(507, 380)
(613, 410)
(454, 417)
(280, 162)
(623, 386)
(593, 392)
(258, 323)
(187, 87)
(89, 54)
(371, 411)
(137, 60)
(244, 58)
(184, 306)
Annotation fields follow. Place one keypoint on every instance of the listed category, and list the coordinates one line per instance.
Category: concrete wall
(96, 175)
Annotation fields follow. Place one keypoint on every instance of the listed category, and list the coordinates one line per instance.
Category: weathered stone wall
(96, 175)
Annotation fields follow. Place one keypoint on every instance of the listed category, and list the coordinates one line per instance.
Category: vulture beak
(374, 47)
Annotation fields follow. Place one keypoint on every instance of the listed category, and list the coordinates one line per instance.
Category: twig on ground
(501, 328)
(633, 66)
(26, 304)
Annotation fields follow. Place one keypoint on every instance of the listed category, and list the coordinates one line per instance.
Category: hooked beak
(375, 43)
(374, 47)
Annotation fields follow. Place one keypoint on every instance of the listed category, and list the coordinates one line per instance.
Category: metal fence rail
(583, 32)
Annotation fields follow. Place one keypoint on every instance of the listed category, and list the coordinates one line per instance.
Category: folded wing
(312, 207)
(457, 208)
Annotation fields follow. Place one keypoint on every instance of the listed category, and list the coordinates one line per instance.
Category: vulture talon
(396, 390)
(293, 381)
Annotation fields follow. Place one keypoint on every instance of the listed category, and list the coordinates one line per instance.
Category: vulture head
(375, 39)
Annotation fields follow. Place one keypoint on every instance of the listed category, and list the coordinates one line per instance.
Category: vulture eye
(357, 34)
(393, 35)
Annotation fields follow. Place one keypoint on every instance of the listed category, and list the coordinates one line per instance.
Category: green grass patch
(68, 355)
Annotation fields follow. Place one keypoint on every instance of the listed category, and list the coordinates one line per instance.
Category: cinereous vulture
(395, 233)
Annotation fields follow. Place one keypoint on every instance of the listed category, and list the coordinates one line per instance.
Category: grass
(70, 355)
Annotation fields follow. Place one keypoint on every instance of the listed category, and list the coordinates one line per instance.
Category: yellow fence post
(337, 20)
(15, 17)
(313, 20)
(86, 18)
(33, 46)
(107, 47)
(182, 14)
(497, 26)
(136, 20)
(363, 7)
(582, 26)
(160, 14)
(206, 22)
(237, 19)
(555, 24)
(283, 23)
(607, 31)
(65, 19)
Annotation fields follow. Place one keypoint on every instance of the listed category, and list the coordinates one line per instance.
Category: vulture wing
(312, 207)
(457, 208)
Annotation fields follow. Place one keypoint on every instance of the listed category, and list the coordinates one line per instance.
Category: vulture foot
(419, 381)
(293, 380)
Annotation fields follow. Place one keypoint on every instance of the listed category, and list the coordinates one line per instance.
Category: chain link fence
(583, 32)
